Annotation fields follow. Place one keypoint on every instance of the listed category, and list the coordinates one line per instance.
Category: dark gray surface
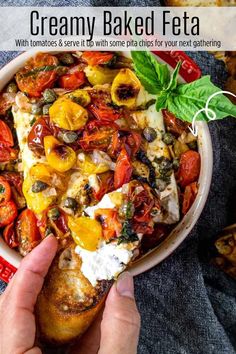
(187, 305)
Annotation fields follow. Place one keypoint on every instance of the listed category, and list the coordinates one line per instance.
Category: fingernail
(125, 285)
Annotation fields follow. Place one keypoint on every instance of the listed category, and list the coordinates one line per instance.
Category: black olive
(70, 203)
(39, 186)
(168, 138)
(54, 213)
(149, 134)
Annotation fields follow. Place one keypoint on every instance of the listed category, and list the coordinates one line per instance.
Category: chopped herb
(32, 121)
(38, 70)
(127, 233)
(2, 188)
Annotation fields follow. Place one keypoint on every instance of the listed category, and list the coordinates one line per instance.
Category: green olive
(66, 59)
(54, 213)
(70, 203)
(149, 134)
(36, 108)
(168, 138)
(49, 96)
(39, 186)
(12, 87)
(46, 109)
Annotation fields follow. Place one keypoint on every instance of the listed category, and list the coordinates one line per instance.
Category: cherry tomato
(97, 58)
(72, 81)
(98, 135)
(8, 213)
(189, 168)
(106, 184)
(111, 227)
(6, 138)
(39, 130)
(54, 219)
(15, 179)
(10, 237)
(189, 196)
(38, 74)
(133, 140)
(27, 231)
(124, 137)
(8, 154)
(5, 191)
(123, 170)
(173, 124)
(104, 112)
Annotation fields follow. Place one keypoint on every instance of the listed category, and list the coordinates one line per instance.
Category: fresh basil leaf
(153, 75)
(187, 99)
(161, 102)
(174, 77)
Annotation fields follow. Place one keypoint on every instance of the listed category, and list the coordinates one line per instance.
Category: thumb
(121, 320)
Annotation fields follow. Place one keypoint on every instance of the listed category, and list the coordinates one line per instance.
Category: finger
(28, 280)
(121, 320)
(90, 341)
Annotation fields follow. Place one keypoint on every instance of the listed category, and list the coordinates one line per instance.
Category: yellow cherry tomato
(125, 88)
(37, 202)
(86, 232)
(88, 167)
(59, 156)
(67, 114)
(41, 171)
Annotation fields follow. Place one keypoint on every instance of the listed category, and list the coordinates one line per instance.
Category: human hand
(116, 331)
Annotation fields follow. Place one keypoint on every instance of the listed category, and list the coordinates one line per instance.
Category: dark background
(186, 304)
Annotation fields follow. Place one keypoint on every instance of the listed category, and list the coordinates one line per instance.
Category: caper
(149, 134)
(61, 70)
(70, 203)
(175, 164)
(49, 96)
(68, 137)
(12, 87)
(54, 213)
(168, 138)
(193, 145)
(66, 59)
(46, 109)
(39, 186)
(161, 185)
(36, 108)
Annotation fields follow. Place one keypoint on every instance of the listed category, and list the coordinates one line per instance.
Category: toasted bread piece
(68, 303)
(205, 3)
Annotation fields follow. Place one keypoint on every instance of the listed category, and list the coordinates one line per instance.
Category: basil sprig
(183, 100)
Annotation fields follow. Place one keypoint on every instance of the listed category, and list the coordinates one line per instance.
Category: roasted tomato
(98, 135)
(6, 138)
(27, 231)
(173, 124)
(189, 196)
(39, 130)
(104, 111)
(54, 220)
(111, 227)
(189, 168)
(5, 190)
(8, 154)
(97, 58)
(72, 81)
(6, 101)
(10, 236)
(123, 170)
(106, 184)
(124, 137)
(8, 213)
(59, 156)
(38, 74)
(15, 179)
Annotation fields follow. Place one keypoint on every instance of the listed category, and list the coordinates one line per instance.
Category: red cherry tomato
(15, 179)
(39, 130)
(5, 191)
(10, 237)
(106, 184)
(123, 170)
(59, 226)
(104, 112)
(97, 58)
(8, 154)
(110, 225)
(6, 138)
(27, 231)
(190, 193)
(8, 213)
(38, 74)
(189, 168)
(124, 137)
(72, 81)
(173, 124)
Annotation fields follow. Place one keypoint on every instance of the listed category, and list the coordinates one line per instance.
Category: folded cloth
(187, 305)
